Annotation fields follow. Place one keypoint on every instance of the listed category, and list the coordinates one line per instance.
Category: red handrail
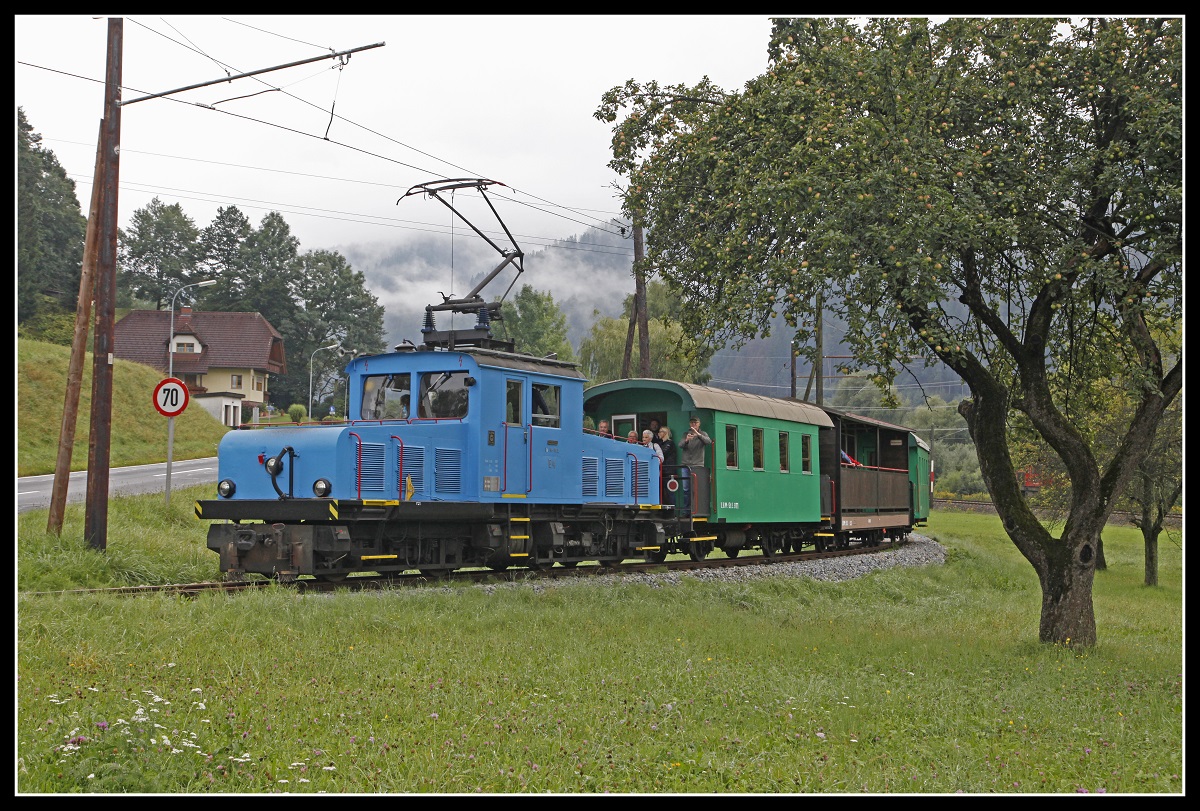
(358, 465)
(400, 471)
(634, 481)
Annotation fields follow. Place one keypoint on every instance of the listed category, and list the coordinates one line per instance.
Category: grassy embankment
(139, 432)
(919, 680)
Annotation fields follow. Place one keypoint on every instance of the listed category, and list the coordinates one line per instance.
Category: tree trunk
(1152, 559)
(1065, 566)
(1068, 617)
(1101, 563)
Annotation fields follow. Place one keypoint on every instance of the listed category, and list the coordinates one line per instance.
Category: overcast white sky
(509, 98)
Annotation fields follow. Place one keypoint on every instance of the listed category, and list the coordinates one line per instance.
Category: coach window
(731, 449)
(386, 397)
(547, 408)
(757, 436)
(806, 454)
(784, 460)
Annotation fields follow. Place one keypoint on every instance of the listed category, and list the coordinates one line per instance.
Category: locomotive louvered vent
(447, 470)
(370, 467)
(414, 471)
(642, 477)
(614, 478)
(591, 476)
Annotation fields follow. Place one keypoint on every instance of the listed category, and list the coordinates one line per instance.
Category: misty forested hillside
(587, 275)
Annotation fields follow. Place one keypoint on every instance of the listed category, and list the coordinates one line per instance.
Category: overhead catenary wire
(211, 106)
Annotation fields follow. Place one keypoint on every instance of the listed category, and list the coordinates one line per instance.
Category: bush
(297, 412)
(52, 324)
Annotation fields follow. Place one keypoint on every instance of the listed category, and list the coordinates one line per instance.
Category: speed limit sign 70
(171, 397)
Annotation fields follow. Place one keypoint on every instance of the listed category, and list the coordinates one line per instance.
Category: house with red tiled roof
(225, 359)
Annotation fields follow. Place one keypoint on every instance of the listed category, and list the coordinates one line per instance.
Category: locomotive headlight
(226, 488)
(322, 488)
(274, 465)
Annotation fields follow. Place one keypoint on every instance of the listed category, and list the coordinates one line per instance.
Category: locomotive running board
(325, 509)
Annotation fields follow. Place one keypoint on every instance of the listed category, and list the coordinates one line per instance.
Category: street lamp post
(310, 373)
(171, 373)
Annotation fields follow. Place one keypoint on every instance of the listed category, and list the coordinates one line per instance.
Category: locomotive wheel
(732, 551)
(568, 564)
(331, 577)
(698, 550)
(657, 557)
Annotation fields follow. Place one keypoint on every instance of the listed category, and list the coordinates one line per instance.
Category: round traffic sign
(171, 397)
(672, 484)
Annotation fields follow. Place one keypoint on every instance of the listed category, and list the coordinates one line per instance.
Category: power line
(330, 214)
(361, 126)
(594, 224)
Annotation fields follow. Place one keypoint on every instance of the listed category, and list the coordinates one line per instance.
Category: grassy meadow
(924, 680)
(139, 432)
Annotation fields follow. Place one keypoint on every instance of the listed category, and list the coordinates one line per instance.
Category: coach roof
(693, 396)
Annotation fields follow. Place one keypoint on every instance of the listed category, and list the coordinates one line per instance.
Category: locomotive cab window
(547, 405)
(731, 446)
(386, 397)
(512, 402)
(444, 395)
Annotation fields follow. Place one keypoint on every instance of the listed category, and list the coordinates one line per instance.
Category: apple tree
(1001, 195)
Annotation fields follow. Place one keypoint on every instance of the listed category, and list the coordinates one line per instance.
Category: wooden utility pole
(639, 300)
(100, 439)
(83, 315)
(820, 348)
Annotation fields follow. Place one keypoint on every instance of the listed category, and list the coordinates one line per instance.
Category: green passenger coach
(760, 484)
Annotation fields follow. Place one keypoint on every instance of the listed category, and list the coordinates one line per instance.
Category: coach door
(515, 452)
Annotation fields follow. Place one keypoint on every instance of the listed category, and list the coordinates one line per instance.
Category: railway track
(375, 582)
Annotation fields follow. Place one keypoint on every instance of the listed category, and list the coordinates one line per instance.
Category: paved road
(33, 492)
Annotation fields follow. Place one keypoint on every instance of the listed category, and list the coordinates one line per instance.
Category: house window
(186, 347)
(731, 449)
(259, 382)
(757, 435)
(235, 382)
(191, 381)
(806, 453)
(784, 461)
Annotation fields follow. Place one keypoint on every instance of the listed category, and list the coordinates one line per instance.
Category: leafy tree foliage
(334, 307)
(536, 324)
(312, 299)
(221, 256)
(602, 351)
(1029, 170)
(50, 230)
(157, 254)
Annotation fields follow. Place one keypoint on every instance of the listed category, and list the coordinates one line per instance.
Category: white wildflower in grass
(197, 690)
(329, 768)
(94, 689)
(303, 780)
